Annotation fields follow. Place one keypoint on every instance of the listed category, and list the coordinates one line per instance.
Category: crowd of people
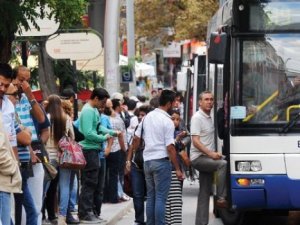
(112, 130)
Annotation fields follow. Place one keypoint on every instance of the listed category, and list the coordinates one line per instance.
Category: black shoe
(72, 220)
(89, 218)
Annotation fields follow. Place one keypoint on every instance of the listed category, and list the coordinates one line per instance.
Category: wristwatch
(33, 102)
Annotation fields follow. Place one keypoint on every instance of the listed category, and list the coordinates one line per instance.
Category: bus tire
(230, 216)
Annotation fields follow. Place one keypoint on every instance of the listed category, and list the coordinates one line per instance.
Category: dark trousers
(98, 198)
(111, 180)
(89, 182)
(50, 200)
(122, 161)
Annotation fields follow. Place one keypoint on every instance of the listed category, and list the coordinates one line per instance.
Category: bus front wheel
(230, 216)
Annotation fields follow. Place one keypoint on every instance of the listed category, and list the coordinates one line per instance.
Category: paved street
(190, 193)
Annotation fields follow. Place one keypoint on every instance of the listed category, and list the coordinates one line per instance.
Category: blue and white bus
(254, 69)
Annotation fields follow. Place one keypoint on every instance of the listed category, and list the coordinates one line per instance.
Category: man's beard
(170, 111)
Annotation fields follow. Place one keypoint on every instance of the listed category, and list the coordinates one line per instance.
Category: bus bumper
(276, 192)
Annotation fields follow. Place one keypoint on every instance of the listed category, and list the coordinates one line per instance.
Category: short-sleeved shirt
(134, 122)
(23, 109)
(203, 127)
(117, 124)
(158, 133)
(8, 115)
(23, 151)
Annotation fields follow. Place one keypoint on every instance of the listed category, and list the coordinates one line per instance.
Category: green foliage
(68, 12)
(15, 13)
(187, 18)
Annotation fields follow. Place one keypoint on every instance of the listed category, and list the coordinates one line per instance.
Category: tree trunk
(46, 73)
(5, 48)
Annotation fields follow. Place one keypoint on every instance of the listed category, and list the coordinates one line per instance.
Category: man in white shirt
(158, 134)
(8, 164)
(205, 159)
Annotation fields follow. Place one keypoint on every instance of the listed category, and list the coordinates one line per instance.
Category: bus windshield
(269, 78)
(256, 16)
(274, 15)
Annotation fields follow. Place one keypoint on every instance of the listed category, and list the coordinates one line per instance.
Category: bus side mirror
(217, 50)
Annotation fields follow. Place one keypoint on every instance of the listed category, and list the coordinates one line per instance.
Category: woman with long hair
(61, 124)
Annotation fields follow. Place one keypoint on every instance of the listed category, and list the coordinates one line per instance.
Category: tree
(186, 18)
(16, 13)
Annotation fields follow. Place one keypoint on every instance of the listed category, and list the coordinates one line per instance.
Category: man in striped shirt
(26, 108)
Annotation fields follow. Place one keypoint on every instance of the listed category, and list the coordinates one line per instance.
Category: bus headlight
(256, 166)
(248, 166)
(243, 166)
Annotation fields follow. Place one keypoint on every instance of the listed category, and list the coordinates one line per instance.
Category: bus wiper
(290, 124)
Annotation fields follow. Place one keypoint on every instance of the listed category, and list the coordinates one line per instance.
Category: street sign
(74, 46)
(46, 26)
(96, 64)
(126, 76)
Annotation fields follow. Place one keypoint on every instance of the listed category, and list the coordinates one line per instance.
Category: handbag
(185, 158)
(138, 158)
(51, 171)
(40, 151)
(71, 156)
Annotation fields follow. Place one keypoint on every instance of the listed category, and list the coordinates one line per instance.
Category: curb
(114, 212)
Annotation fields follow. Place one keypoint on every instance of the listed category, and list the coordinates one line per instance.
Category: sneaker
(72, 220)
(53, 222)
(46, 222)
(89, 218)
(101, 219)
(222, 203)
(124, 198)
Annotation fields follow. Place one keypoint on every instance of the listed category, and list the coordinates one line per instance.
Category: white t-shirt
(158, 133)
(134, 122)
(203, 127)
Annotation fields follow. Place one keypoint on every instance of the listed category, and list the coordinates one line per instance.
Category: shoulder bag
(71, 155)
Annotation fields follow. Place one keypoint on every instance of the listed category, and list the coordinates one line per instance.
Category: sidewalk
(112, 213)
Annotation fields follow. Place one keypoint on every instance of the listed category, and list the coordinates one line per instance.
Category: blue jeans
(73, 198)
(158, 179)
(25, 199)
(5, 207)
(65, 187)
(138, 191)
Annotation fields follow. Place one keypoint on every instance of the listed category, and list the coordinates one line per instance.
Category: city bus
(253, 69)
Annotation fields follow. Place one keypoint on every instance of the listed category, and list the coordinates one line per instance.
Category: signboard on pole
(126, 74)
(46, 26)
(172, 51)
(96, 64)
(74, 46)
